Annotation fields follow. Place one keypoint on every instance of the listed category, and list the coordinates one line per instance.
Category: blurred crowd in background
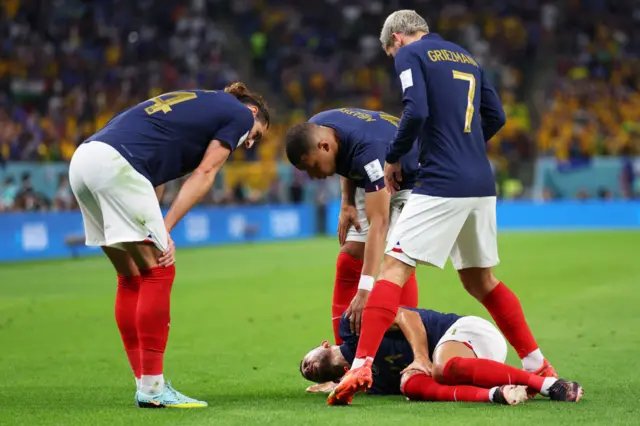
(567, 71)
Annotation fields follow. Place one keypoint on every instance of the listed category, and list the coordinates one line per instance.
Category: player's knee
(404, 389)
(437, 371)
(122, 262)
(354, 249)
(478, 281)
(145, 255)
(395, 271)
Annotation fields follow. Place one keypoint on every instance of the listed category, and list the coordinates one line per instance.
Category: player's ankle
(151, 384)
(533, 361)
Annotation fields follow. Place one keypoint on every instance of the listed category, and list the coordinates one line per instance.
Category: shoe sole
(142, 404)
(516, 395)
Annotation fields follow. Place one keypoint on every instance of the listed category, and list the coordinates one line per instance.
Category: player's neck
(338, 359)
(415, 37)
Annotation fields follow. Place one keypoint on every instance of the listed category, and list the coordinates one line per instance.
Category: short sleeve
(369, 163)
(236, 129)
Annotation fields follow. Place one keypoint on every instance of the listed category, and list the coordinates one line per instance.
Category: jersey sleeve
(237, 127)
(349, 339)
(414, 100)
(493, 117)
(368, 163)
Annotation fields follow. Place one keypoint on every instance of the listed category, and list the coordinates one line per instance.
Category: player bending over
(431, 356)
(118, 175)
(353, 143)
(453, 110)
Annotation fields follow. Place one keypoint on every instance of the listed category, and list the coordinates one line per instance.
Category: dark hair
(298, 142)
(242, 93)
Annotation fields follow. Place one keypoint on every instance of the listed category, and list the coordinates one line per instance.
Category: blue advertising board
(28, 236)
(557, 215)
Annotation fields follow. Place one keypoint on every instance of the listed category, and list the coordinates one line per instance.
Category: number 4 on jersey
(457, 75)
(163, 102)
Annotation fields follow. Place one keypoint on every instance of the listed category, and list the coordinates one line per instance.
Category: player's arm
(159, 192)
(414, 100)
(198, 184)
(411, 325)
(226, 139)
(348, 190)
(377, 211)
(376, 204)
(348, 212)
(493, 117)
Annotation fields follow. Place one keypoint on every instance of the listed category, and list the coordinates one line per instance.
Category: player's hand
(421, 365)
(168, 257)
(348, 216)
(355, 309)
(392, 176)
(322, 387)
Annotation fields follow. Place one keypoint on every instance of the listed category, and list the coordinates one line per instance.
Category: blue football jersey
(363, 140)
(395, 353)
(166, 137)
(454, 110)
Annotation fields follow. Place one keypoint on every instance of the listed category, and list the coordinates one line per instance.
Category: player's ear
(397, 39)
(323, 145)
(254, 110)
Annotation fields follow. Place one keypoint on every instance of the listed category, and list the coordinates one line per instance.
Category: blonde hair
(402, 21)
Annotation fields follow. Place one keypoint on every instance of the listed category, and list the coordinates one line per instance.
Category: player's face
(317, 364)
(256, 133)
(398, 42)
(320, 163)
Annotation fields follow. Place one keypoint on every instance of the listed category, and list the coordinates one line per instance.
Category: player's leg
(349, 266)
(418, 237)
(424, 233)
(351, 258)
(132, 220)
(126, 305)
(472, 352)
(474, 255)
(418, 386)
(409, 296)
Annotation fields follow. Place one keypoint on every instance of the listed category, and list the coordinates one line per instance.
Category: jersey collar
(431, 36)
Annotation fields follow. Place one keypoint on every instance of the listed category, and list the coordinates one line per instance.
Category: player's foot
(564, 390)
(168, 398)
(358, 380)
(510, 395)
(546, 370)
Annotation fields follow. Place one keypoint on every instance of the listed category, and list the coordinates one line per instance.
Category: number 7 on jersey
(458, 75)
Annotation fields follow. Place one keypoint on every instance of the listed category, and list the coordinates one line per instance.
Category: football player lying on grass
(431, 356)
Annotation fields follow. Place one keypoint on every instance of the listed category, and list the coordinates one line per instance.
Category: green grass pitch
(244, 315)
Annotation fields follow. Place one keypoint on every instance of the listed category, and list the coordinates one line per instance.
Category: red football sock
(421, 387)
(348, 270)
(153, 317)
(487, 374)
(125, 310)
(505, 308)
(410, 292)
(378, 315)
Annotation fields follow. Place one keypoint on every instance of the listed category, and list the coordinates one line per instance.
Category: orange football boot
(546, 370)
(357, 380)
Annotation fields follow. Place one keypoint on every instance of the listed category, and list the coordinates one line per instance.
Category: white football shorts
(431, 229)
(478, 333)
(118, 204)
(398, 200)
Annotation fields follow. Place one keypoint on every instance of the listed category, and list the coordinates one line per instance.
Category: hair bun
(237, 89)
